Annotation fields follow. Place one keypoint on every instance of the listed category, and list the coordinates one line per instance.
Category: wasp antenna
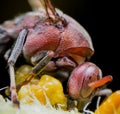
(52, 8)
(43, 4)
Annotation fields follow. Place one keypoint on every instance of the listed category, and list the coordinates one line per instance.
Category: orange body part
(100, 82)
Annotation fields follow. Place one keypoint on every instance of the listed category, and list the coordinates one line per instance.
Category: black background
(100, 19)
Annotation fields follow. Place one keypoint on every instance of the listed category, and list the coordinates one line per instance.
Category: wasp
(54, 42)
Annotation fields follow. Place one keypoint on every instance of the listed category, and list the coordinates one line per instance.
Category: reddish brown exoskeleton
(53, 42)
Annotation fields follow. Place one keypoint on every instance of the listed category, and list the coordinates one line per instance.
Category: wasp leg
(11, 61)
(38, 68)
(38, 56)
(43, 62)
